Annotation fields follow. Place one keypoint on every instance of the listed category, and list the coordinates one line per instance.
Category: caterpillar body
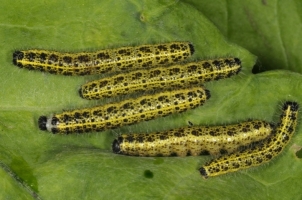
(126, 112)
(260, 153)
(103, 61)
(192, 140)
(177, 76)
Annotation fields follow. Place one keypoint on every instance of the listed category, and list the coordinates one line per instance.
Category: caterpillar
(260, 153)
(126, 112)
(177, 76)
(103, 61)
(193, 141)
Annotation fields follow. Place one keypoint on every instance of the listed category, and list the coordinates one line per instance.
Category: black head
(294, 106)
(203, 172)
(42, 123)
(17, 55)
(116, 146)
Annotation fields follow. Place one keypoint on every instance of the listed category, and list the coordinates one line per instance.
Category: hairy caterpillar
(192, 140)
(103, 61)
(260, 153)
(126, 112)
(177, 76)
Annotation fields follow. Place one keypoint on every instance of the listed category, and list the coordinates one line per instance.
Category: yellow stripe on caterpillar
(177, 76)
(126, 112)
(103, 61)
(192, 140)
(261, 152)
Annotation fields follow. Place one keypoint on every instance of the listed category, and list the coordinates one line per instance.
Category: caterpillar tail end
(42, 123)
(116, 147)
(17, 55)
(208, 94)
(237, 61)
(203, 172)
(81, 93)
(192, 50)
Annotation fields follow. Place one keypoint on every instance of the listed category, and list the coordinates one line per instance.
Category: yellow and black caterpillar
(260, 153)
(193, 141)
(126, 112)
(176, 76)
(103, 61)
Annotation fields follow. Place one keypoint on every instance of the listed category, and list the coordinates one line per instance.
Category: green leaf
(269, 29)
(36, 164)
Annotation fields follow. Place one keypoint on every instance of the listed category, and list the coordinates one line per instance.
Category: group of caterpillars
(178, 87)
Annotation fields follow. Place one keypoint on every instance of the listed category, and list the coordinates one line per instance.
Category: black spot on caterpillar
(258, 154)
(126, 112)
(103, 61)
(192, 140)
(176, 76)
